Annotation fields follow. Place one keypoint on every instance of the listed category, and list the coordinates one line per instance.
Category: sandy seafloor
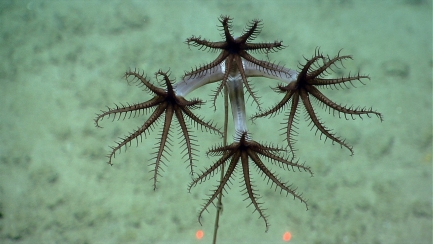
(63, 61)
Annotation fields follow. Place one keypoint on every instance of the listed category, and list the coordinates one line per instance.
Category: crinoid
(310, 78)
(165, 103)
(246, 154)
(234, 56)
(232, 68)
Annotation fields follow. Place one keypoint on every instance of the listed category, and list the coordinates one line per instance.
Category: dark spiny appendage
(312, 76)
(164, 105)
(241, 156)
(233, 51)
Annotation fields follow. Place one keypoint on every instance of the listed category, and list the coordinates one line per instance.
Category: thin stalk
(220, 196)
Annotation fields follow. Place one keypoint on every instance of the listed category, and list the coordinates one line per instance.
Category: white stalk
(237, 102)
(190, 83)
(285, 75)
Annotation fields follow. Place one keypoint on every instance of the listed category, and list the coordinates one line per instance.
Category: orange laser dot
(199, 234)
(287, 236)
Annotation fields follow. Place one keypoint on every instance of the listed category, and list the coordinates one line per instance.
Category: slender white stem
(190, 83)
(237, 102)
(284, 74)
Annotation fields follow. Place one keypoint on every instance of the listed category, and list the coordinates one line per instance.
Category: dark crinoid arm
(310, 78)
(164, 105)
(233, 53)
(241, 156)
